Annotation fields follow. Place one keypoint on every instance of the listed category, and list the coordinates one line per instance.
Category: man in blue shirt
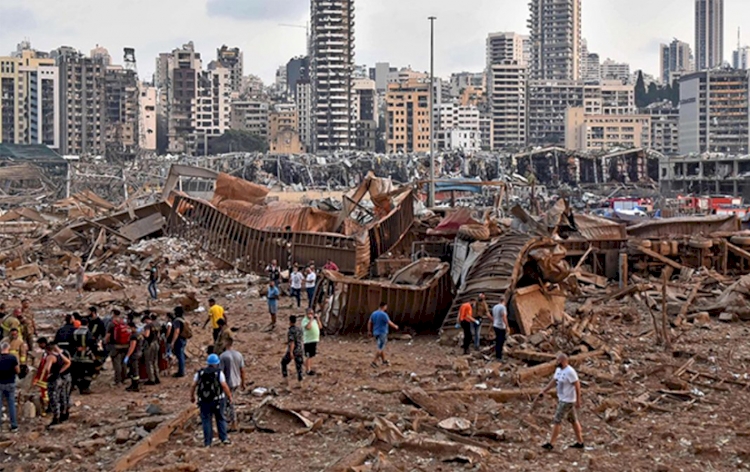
(273, 302)
(378, 327)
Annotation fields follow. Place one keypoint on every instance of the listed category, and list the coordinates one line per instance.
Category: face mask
(559, 365)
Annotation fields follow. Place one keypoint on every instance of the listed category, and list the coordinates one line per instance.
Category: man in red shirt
(466, 318)
(330, 265)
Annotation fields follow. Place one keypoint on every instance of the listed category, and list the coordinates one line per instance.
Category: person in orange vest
(466, 319)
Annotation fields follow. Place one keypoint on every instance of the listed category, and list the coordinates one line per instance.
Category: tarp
(233, 188)
(452, 221)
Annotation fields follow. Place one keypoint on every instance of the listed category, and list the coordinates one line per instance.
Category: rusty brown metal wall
(420, 308)
(388, 232)
(494, 273)
(250, 250)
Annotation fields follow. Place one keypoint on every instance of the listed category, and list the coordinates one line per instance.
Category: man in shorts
(378, 327)
(569, 401)
(310, 337)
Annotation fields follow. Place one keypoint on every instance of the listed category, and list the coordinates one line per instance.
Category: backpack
(186, 332)
(122, 333)
(209, 387)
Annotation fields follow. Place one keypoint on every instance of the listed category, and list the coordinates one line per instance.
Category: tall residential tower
(709, 34)
(555, 27)
(331, 67)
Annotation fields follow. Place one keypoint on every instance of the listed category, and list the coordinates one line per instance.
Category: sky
(395, 31)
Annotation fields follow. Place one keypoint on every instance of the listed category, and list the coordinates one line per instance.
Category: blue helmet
(213, 359)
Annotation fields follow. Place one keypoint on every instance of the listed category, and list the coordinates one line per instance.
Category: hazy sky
(395, 31)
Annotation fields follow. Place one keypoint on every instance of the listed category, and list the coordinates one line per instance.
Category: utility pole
(431, 195)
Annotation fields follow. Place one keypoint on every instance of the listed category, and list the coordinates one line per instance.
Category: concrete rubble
(654, 314)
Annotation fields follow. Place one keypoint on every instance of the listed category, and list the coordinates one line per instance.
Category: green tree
(653, 94)
(641, 99)
(235, 140)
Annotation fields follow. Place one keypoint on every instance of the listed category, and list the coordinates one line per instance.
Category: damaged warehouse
(652, 312)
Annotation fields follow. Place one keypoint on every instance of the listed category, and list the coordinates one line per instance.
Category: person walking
(215, 313)
(151, 352)
(483, 312)
(466, 319)
(80, 278)
(64, 382)
(311, 326)
(180, 333)
(295, 282)
(133, 357)
(310, 280)
(210, 385)
(378, 326)
(153, 279)
(9, 369)
(223, 339)
(233, 366)
(569, 401)
(500, 326)
(273, 302)
(294, 350)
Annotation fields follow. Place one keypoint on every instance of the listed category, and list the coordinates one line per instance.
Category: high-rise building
(547, 102)
(586, 132)
(250, 116)
(591, 68)
(122, 98)
(408, 117)
(332, 65)
(29, 98)
(366, 113)
(211, 113)
(555, 39)
(303, 100)
(297, 68)
(83, 105)
(177, 84)
(507, 99)
(102, 54)
(147, 117)
(740, 57)
(665, 127)
(709, 34)
(231, 59)
(675, 60)
(507, 46)
(714, 112)
(380, 73)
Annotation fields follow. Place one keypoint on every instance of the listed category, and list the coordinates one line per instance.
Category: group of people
(472, 314)
(306, 278)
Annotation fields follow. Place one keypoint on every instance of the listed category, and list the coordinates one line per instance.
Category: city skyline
(401, 39)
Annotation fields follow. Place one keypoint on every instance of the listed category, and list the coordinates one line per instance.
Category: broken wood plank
(630, 289)
(353, 459)
(324, 410)
(531, 356)
(740, 252)
(597, 375)
(583, 258)
(548, 368)
(659, 257)
(23, 272)
(158, 437)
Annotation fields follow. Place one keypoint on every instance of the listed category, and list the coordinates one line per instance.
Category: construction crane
(306, 27)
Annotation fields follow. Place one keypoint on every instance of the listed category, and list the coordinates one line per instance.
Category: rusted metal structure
(512, 261)
(418, 296)
(250, 250)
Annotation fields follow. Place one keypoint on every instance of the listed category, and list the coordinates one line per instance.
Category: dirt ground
(705, 429)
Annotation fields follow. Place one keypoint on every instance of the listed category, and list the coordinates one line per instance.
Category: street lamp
(431, 195)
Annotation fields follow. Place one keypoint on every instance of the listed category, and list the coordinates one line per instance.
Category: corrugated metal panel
(250, 250)
(279, 216)
(347, 307)
(684, 226)
(387, 232)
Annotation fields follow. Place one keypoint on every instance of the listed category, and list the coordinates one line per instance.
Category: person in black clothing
(55, 365)
(177, 340)
(84, 364)
(274, 272)
(9, 369)
(96, 325)
(64, 335)
(133, 357)
(153, 278)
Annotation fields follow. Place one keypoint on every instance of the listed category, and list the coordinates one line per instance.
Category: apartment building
(232, 60)
(250, 116)
(665, 127)
(122, 97)
(29, 98)
(555, 39)
(612, 70)
(584, 132)
(508, 46)
(212, 112)
(408, 117)
(83, 104)
(366, 113)
(675, 59)
(507, 83)
(714, 112)
(303, 99)
(331, 68)
(147, 117)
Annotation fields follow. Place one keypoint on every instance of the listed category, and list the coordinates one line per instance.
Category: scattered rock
(122, 436)
(154, 409)
(529, 455)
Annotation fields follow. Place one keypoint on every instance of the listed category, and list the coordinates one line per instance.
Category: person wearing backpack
(133, 357)
(118, 338)
(210, 386)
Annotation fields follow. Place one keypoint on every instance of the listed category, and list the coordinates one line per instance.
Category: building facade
(303, 99)
(232, 60)
(611, 70)
(331, 68)
(555, 39)
(122, 107)
(709, 34)
(714, 112)
(366, 113)
(665, 127)
(408, 117)
(584, 132)
(676, 59)
(147, 117)
(283, 132)
(740, 57)
(507, 46)
(250, 116)
(507, 103)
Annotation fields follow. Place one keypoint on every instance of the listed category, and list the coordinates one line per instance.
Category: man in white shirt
(295, 282)
(310, 280)
(569, 401)
(500, 325)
